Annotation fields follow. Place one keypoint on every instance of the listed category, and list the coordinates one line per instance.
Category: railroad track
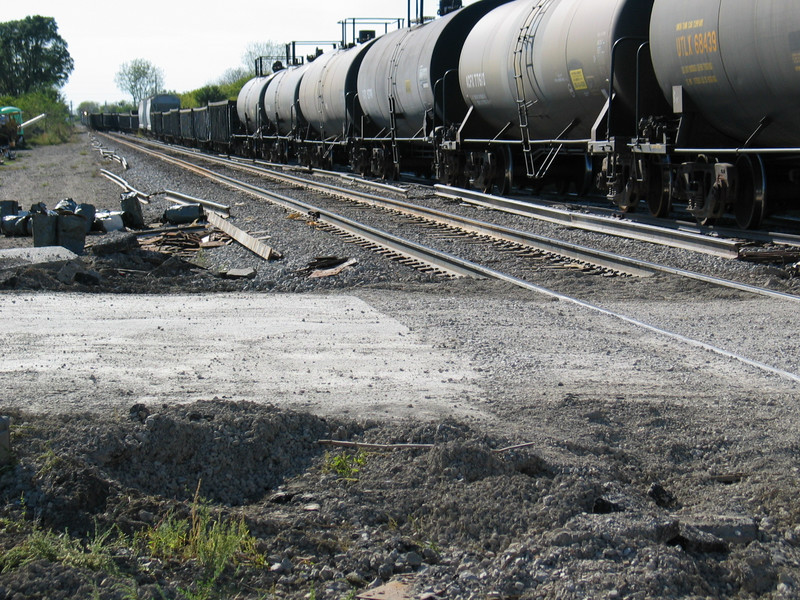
(452, 265)
(517, 238)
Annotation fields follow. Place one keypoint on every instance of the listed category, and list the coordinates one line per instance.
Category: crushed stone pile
(464, 518)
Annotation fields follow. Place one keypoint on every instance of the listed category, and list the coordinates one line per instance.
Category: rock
(76, 272)
(284, 567)
(732, 529)
(356, 579)
(692, 539)
(661, 496)
(413, 559)
(602, 506)
(139, 412)
(385, 571)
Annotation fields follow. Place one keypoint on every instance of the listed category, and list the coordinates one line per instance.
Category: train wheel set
(657, 104)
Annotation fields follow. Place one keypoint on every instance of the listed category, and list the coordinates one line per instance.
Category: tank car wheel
(750, 196)
(451, 170)
(588, 180)
(628, 200)
(359, 160)
(502, 182)
(659, 187)
(487, 172)
(382, 165)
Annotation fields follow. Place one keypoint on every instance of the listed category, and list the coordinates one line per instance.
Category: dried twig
(364, 446)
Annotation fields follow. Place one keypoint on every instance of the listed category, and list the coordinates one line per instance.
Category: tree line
(35, 64)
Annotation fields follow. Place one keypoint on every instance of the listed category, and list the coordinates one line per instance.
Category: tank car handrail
(638, 83)
(737, 151)
(614, 48)
(443, 81)
(552, 142)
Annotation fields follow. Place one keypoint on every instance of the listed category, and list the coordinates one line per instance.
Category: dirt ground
(169, 430)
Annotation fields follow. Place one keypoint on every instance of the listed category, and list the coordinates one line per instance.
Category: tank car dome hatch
(561, 50)
(738, 61)
(250, 105)
(401, 69)
(328, 92)
(280, 99)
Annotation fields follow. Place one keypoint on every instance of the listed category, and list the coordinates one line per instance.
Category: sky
(193, 43)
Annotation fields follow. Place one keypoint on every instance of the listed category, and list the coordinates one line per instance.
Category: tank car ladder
(392, 85)
(531, 22)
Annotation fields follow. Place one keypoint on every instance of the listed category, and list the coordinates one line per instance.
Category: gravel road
(650, 467)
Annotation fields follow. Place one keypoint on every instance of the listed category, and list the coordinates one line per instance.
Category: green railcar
(10, 133)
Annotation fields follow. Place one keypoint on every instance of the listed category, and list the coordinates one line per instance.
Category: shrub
(55, 129)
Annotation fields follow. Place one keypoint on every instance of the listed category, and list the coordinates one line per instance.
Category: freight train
(656, 103)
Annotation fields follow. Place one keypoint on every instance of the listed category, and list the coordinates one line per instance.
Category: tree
(139, 78)
(209, 93)
(32, 56)
(87, 106)
(234, 74)
(272, 50)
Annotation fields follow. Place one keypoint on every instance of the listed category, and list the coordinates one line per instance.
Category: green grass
(94, 554)
(213, 542)
(345, 464)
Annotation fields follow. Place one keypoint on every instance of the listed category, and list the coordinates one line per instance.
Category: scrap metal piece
(244, 238)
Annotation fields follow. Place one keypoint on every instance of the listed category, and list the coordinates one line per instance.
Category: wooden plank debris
(333, 271)
(244, 238)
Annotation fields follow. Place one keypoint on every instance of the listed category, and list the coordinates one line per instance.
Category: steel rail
(637, 231)
(572, 251)
(475, 270)
(623, 264)
(575, 252)
(436, 259)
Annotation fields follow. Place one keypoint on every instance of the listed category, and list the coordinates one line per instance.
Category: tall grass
(213, 542)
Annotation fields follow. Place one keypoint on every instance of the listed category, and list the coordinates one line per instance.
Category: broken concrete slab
(18, 257)
(732, 529)
(248, 273)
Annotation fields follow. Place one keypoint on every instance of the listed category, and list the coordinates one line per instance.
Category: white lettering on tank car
(474, 80)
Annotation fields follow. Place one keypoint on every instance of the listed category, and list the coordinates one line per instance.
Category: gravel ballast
(533, 448)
